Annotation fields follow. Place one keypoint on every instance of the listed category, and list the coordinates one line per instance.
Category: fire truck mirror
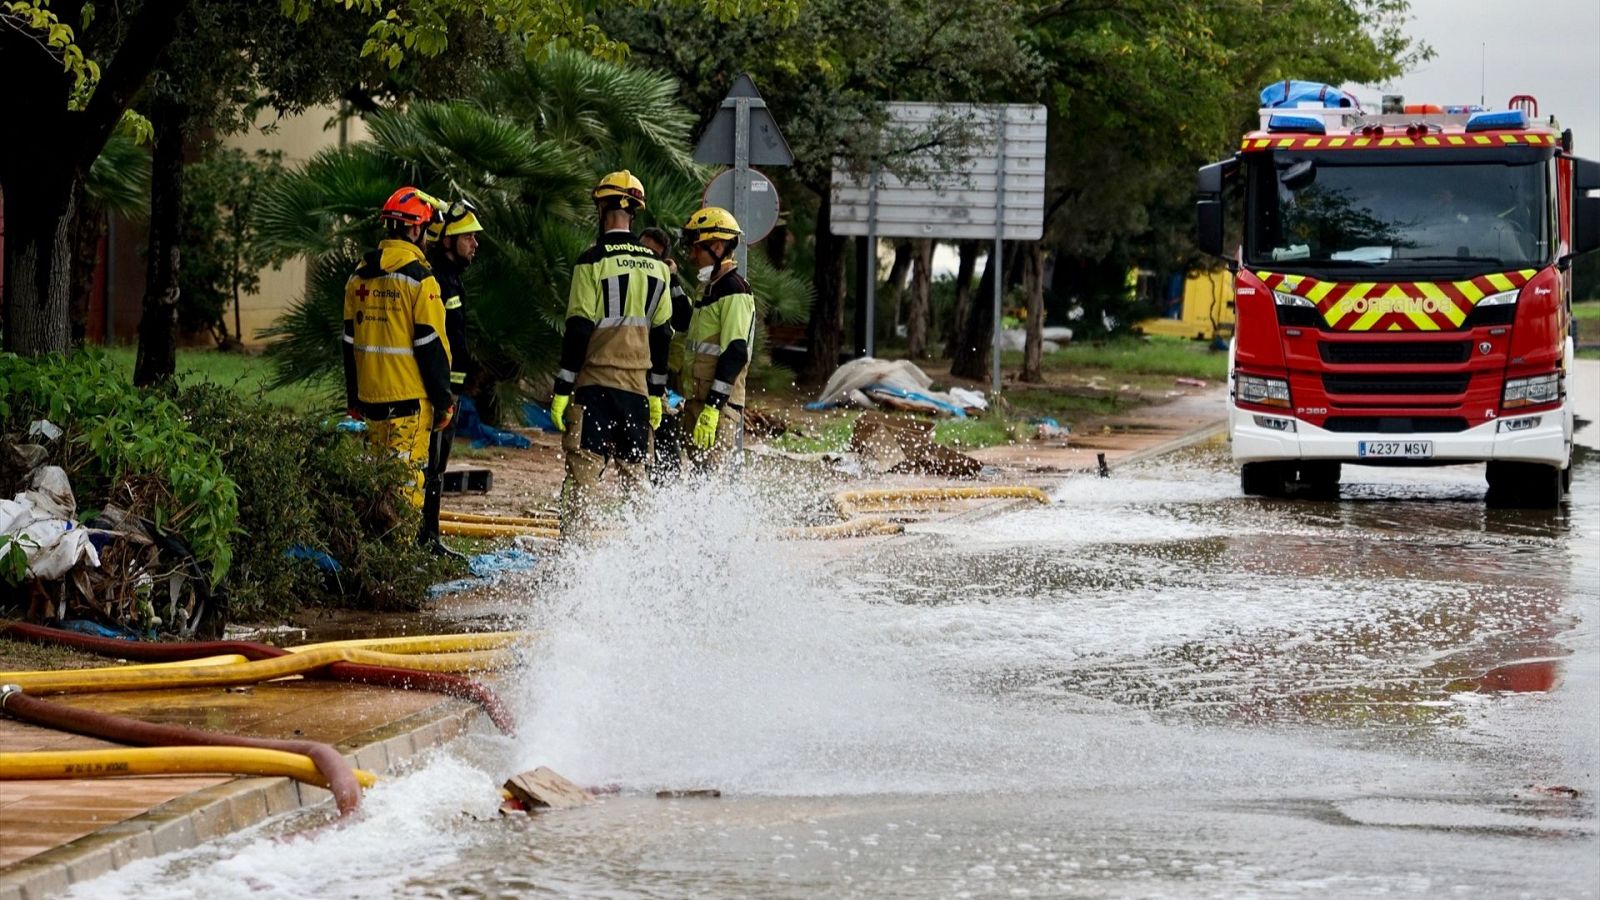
(1209, 179)
(1209, 239)
(1585, 209)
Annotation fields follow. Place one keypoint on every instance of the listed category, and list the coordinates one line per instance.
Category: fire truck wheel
(1320, 477)
(1264, 479)
(1518, 485)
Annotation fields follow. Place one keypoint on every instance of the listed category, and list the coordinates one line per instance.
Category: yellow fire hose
(859, 527)
(846, 502)
(120, 761)
(425, 643)
(149, 678)
(10, 677)
(483, 519)
(479, 529)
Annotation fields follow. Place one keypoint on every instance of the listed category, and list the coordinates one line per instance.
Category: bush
(304, 484)
(240, 480)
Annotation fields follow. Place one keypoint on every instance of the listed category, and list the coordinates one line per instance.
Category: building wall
(299, 138)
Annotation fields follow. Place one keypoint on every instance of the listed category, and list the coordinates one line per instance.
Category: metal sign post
(741, 174)
(999, 245)
(872, 258)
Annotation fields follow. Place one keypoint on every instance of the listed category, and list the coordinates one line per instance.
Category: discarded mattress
(896, 384)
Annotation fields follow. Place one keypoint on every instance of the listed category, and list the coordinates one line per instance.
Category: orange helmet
(408, 206)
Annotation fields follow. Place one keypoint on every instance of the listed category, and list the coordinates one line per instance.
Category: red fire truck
(1403, 291)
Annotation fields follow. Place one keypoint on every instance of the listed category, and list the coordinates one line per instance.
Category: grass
(1587, 311)
(242, 372)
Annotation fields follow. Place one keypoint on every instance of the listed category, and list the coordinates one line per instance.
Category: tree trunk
(1033, 284)
(921, 289)
(968, 253)
(827, 310)
(777, 245)
(41, 217)
(894, 289)
(90, 231)
(975, 330)
(158, 324)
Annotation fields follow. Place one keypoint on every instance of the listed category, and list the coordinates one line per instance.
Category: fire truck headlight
(1292, 300)
(1535, 391)
(1504, 298)
(1262, 391)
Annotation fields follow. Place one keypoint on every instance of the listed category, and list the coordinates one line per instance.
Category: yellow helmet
(622, 185)
(713, 223)
(460, 217)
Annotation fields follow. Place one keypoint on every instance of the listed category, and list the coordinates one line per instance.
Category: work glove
(444, 418)
(655, 413)
(705, 430)
(558, 410)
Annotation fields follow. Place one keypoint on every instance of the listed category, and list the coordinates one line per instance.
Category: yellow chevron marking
(1422, 320)
(1431, 141)
(1500, 281)
(1336, 142)
(1456, 140)
(1394, 326)
(1319, 291)
(1480, 139)
(1362, 142)
(1470, 291)
(1508, 139)
(1286, 142)
(1527, 273)
(1443, 302)
(1312, 142)
(1388, 142)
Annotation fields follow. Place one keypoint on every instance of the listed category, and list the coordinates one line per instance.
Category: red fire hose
(340, 776)
(384, 676)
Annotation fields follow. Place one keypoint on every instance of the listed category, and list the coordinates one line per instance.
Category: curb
(210, 813)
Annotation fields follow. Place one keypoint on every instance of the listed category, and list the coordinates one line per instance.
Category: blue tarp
(469, 426)
(1292, 93)
(322, 560)
(902, 393)
(536, 416)
(487, 568)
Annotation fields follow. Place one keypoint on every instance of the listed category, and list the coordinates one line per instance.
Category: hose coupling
(6, 690)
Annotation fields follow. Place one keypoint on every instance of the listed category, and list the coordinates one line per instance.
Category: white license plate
(1396, 449)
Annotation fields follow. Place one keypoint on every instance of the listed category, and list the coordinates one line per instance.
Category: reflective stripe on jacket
(619, 318)
(721, 333)
(394, 339)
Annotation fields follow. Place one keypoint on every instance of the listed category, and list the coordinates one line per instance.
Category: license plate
(1396, 449)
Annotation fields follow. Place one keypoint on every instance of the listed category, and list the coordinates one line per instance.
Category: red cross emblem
(362, 292)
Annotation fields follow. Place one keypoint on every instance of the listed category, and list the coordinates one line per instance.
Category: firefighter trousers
(406, 438)
(605, 428)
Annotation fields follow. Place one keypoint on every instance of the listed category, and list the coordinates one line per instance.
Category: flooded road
(1152, 687)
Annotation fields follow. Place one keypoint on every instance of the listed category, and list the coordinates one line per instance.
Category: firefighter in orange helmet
(396, 355)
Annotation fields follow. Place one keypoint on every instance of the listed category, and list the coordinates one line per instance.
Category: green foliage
(127, 447)
(13, 559)
(59, 40)
(222, 256)
(119, 179)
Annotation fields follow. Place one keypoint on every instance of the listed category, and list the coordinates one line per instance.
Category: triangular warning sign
(767, 146)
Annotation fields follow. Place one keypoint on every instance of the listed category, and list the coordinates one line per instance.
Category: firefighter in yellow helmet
(721, 332)
(396, 356)
(613, 373)
(452, 246)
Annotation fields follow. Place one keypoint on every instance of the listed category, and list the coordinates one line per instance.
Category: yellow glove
(655, 413)
(705, 430)
(558, 410)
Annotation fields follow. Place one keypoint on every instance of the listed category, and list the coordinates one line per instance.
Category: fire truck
(1403, 291)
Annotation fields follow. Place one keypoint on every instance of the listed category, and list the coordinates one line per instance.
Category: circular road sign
(761, 213)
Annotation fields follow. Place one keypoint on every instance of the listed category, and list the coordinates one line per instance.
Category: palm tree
(526, 149)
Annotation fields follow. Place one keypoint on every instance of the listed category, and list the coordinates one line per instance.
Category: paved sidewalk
(54, 833)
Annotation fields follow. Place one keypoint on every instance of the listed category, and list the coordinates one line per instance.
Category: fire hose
(182, 751)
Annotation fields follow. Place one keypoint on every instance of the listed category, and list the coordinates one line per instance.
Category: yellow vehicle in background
(1199, 308)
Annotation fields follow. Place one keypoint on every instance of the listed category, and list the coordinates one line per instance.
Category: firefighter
(717, 348)
(452, 246)
(613, 374)
(669, 440)
(396, 356)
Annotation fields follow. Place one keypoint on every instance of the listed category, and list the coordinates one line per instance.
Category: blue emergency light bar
(1493, 121)
(1312, 124)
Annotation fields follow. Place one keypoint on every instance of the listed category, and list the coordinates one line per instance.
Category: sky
(1547, 48)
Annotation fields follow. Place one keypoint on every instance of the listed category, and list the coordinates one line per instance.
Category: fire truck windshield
(1333, 211)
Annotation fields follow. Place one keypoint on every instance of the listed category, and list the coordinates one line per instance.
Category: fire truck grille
(1397, 424)
(1396, 352)
(1391, 383)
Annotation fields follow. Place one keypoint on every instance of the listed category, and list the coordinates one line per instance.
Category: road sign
(761, 209)
(744, 133)
(767, 146)
(993, 190)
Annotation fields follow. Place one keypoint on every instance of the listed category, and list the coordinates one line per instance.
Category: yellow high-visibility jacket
(395, 348)
(721, 332)
(619, 321)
